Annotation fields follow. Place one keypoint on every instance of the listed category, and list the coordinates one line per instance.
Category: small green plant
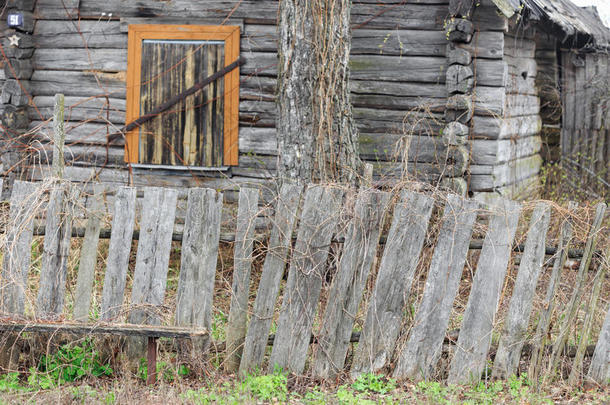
(10, 382)
(272, 387)
(434, 391)
(345, 396)
(69, 364)
(374, 383)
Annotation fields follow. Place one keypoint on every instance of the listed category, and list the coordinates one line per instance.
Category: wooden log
(492, 152)
(517, 319)
(423, 349)
(101, 328)
(77, 84)
(90, 109)
(544, 318)
(20, 69)
(459, 30)
(59, 136)
(307, 268)
(17, 246)
(273, 270)
(91, 34)
(103, 59)
(393, 285)
(242, 259)
(118, 253)
(575, 300)
(460, 79)
(88, 255)
(461, 8)
(348, 285)
(599, 371)
(403, 89)
(491, 177)
(474, 341)
(55, 252)
(198, 261)
(152, 259)
(502, 128)
(16, 92)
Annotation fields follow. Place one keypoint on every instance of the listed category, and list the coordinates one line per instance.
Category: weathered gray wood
(17, 246)
(102, 328)
(492, 177)
(492, 151)
(517, 319)
(198, 260)
(84, 109)
(474, 341)
(393, 286)
(79, 34)
(59, 136)
(359, 250)
(307, 268)
(572, 307)
(118, 253)
(55, 252)
(599, 370)
(152, 260)
(544, 319)
(273, 271)
(78, 83)
(599, 280)
(502, 128)
(242, 260)
(423, 349)
(88, 255)
(105, 60)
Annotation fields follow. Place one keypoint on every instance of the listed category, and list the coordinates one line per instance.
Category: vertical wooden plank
(474, 340)
(307, 268)
(198, 261)
(544, 318)
(88, 255)
(572, 308)
(348, 284)
(424, 345)
(515, 325)
(56, 248)
(273, 270)
(152, 260)
(118, 252)
(59, 136)
(242, 261)
(393, 286)
(599, 371)
(600, 278)
(18, 246)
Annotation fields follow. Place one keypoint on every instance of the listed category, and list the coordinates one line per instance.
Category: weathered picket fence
(307, 340)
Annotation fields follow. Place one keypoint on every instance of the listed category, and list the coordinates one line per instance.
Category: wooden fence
(308, 339)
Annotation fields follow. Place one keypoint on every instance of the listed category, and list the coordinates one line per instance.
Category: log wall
(398, 83)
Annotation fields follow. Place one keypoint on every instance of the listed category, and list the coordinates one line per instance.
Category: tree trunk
(317, 138)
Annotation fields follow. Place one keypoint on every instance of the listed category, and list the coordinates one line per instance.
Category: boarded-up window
(201, 129)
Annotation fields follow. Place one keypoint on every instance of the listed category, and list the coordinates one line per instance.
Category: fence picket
(58, 231)
(198, 261)
(517, 319)
(424, 345)
(474, 340)
(393, 286)
(118, 253)
(18, 246)
(318, 222)
(359, 250)
(599, 370)
(242, 259)
(273, 271)
(544, 318)
(88, 255)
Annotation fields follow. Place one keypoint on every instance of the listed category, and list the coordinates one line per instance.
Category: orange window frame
(228, 34)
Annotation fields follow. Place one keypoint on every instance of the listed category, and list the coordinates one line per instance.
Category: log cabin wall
(506, 145)
(398, 84)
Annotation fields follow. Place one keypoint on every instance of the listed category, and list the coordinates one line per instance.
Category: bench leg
(151, 377)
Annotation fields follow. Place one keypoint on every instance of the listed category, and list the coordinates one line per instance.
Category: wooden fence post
(307, 268)
(59, 136)
(348, 284)
(242, 251)
(474, 340)
(517, 319)
(424, 346)
(599, 371)
(273, 271)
